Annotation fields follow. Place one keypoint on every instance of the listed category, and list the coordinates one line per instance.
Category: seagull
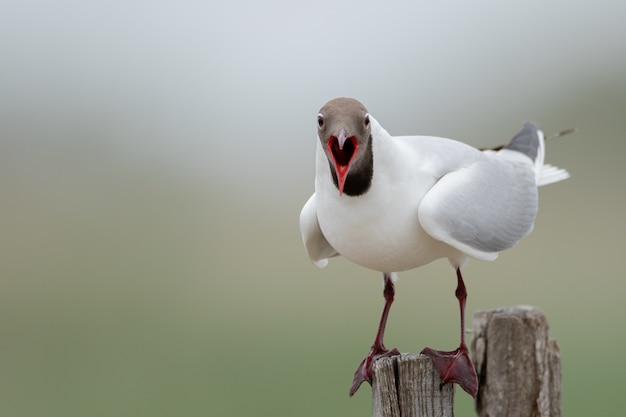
(395, 203)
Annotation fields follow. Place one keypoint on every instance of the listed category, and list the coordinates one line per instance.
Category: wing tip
(527, 141)
(320, 263)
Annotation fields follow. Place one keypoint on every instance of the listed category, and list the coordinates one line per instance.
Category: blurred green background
(154, 158)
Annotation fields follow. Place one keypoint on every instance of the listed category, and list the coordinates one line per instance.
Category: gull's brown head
(344, 131)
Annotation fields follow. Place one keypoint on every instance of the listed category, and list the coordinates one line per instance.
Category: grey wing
(482, 209)
(317, 247)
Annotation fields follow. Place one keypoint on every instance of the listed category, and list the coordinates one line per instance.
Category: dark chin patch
(359, 179)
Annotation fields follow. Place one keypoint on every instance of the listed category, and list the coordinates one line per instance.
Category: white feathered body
(429, 198)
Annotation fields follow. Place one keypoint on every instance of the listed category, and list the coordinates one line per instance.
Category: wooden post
(519, 372)
(409, 386)
(519, 368)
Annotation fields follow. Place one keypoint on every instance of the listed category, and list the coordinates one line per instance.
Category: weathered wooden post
(519, 372)
(409, 386)
(519, 368)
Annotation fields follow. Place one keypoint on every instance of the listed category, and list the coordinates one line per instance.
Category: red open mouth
(342, 155)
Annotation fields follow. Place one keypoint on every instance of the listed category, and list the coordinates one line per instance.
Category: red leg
(456, 366)
(378, 350)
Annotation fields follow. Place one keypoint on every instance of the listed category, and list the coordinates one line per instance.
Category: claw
(364, 371)
(455, 366)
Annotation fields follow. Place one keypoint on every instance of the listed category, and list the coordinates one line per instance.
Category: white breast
(380, 229)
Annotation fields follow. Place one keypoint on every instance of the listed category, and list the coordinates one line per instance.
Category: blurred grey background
(154, 157)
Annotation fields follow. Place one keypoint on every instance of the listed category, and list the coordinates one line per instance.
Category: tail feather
(550, 174)
(530, 141)
(545, 173)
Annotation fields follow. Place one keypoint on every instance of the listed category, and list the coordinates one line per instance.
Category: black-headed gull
(396, 203)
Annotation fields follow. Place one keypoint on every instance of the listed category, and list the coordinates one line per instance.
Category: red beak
(342, 149)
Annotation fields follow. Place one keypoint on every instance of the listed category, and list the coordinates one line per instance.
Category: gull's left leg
(456, 366)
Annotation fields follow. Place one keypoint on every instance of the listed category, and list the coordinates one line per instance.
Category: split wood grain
(519, 368)
(409, 386)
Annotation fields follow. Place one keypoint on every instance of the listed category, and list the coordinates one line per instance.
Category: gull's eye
(320, 121)
(367, 120)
